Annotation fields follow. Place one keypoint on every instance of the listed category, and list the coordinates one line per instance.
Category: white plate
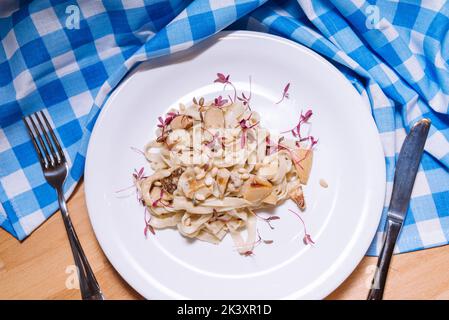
(342, 219)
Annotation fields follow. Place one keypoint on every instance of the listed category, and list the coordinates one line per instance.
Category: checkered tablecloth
(67, 56)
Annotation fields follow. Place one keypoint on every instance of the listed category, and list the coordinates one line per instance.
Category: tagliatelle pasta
(214, 166)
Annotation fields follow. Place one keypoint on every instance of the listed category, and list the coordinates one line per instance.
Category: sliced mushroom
(214, 118)
(256, 189)
(181, 122)
(303, 163)
(297, 195)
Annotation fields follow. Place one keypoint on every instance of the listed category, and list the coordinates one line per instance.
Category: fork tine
(39, 137)
(47, 138)
(55, 139)
(35, 143)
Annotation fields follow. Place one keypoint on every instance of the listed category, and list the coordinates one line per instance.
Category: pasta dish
(214, 166)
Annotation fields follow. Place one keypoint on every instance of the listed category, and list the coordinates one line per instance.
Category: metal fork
(54, 166)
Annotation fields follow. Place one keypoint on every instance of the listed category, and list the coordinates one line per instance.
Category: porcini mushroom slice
(181, 122)
(214, 118)
(297, 195)
(256, 189)
(303, 163)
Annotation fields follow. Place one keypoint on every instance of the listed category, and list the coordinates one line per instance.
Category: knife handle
(380, 277)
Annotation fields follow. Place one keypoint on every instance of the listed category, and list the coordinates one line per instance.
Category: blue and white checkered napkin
(67, 56)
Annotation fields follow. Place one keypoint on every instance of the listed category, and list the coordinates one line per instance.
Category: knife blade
(407, 168)
(403, 182)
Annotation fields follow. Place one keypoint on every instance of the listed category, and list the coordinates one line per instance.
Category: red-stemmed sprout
(219, 101)
(148, 226)
(307, 239)
(246, 99)
(245, 125)
(138, 176)
(296, 130)
(268, 219)
(262, 240)
(271, 147)
(159, 201)
(303, 118)
(285, 94)
(210, 144)
(164, 123)
(221, 78)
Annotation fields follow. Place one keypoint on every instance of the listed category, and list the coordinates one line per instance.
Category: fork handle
(383, 263)
(90, 290)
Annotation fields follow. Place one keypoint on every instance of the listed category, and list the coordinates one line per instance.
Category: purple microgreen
(219, 101)
(293, 155)
(164, 123)
(313, 142)
(261, 240)
(245, 125)
(221, 78)
(285, 93)
(268, 219)
(296, 130)
(148, 226)
(307, 238)
(139, 175)
(160, 201)
(211, 143)
(306, 116)
(246, 99)
(248, 253)
(271, 146)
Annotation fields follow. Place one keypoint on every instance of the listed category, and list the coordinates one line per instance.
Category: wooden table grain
(41, 267)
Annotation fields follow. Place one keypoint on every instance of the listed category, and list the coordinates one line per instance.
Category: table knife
(404, 179)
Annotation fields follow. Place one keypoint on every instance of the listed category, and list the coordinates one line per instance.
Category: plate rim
(350, 264)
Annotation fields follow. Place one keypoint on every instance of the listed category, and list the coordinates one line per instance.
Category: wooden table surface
(41, 267)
